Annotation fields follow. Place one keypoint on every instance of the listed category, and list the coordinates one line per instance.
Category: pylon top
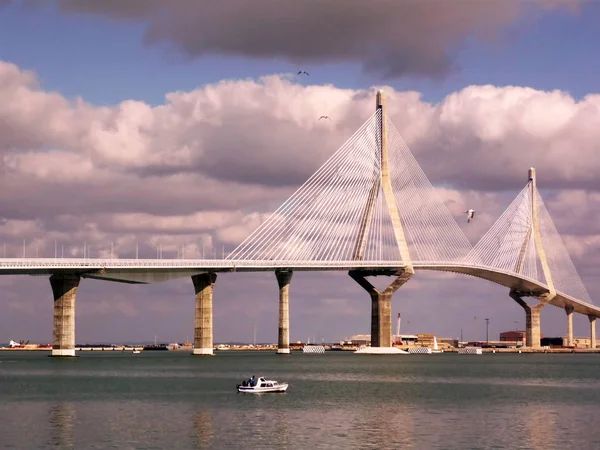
(380, 100)
(349, 210)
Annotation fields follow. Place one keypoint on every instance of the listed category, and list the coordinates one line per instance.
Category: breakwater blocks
(420, 350)
(470, 351)
(313, 349)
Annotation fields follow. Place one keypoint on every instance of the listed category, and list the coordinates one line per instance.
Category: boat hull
(262, 390)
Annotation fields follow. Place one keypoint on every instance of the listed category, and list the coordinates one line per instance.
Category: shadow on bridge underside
(145, 271)
(525, 285)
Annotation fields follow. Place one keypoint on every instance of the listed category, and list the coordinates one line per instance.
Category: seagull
(300, 72)
(470, 214)
(325, 117)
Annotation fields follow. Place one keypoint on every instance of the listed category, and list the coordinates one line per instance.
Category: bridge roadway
(156, 270)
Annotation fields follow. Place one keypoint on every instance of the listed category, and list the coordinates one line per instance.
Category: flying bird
(470, 214)
(325, 117)
(303, 72)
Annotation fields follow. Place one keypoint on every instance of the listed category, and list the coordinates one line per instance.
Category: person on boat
(253, 381)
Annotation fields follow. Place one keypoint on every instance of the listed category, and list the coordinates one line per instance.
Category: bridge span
(371, 211)
(148, 271)
(204, 274)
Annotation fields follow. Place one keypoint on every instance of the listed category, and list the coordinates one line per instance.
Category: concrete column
(203, 317)
(381, 306)
(64, 289)
(569, 311)
(534, 333)
(381, 319)
(592, 331)
(283, 280)
(532, 320)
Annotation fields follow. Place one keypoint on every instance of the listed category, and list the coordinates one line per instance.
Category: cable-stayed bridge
(369, 210)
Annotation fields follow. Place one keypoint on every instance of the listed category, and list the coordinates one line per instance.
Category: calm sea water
(172, 400)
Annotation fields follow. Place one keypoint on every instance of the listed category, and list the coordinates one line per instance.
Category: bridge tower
(532, 312)
(381, 301)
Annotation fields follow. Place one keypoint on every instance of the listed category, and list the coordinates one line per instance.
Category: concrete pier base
(203, 351)
(283, 341)
(592, 331)
(569, 311)
(64, 289)
(381, 306)
(203, 315)
(532, 320)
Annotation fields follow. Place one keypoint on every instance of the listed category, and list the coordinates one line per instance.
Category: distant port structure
(368, 210)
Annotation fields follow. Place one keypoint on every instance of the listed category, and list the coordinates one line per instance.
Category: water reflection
(202, 429)
(61, 418)
(385, 427)
(281, 433)
(540, 425)
(275, 427)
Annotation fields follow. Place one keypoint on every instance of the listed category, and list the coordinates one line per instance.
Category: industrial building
(513, 336)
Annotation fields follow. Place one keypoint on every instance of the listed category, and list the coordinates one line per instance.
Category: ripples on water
(336, 400)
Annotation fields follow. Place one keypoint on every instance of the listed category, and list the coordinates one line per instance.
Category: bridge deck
(157, 270)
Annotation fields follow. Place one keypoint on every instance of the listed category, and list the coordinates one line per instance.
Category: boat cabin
(266, 383)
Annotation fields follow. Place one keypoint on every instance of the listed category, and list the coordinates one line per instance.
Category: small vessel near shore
(262, 386)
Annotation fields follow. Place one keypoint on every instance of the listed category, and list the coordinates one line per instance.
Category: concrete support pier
(569, 311)
(64, 289)
(283, 280)
(203, 316)
(592, 331)
(532, 320)
(381, 306)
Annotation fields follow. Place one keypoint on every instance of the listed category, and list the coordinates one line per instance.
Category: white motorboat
(261, 386)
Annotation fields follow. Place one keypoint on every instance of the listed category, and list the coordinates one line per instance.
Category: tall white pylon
(539, 245)
(383, 184)
(524, 241)
(381, 300)
(370, 202)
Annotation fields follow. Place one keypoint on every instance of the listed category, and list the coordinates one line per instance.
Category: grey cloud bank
(390, 38)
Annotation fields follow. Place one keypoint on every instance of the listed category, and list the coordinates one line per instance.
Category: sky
(183, 125)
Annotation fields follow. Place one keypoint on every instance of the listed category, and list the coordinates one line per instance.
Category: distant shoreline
(299, 350)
